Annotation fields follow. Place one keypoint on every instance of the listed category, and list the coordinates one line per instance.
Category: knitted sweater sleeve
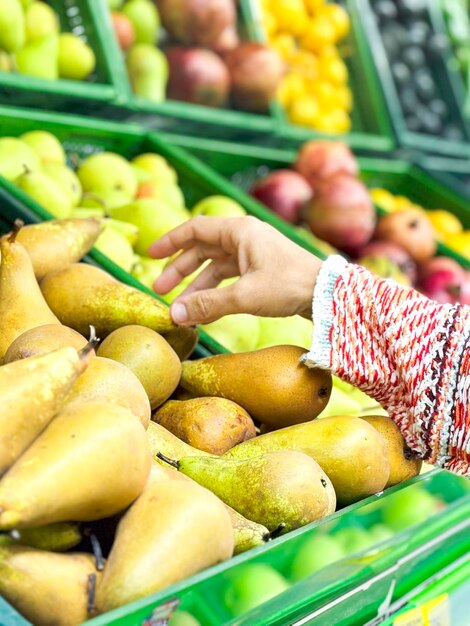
(410, 354)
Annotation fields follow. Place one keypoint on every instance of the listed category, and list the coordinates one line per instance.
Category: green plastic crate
(445, 78)
(454, 173)
(96, 93)
(243, 165)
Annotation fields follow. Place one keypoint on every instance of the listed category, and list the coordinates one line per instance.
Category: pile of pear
(119, 455)
(31, 43)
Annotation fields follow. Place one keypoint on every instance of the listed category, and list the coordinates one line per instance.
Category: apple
(408, 507)
(442, 264)
(17, 158)
(380, 532)
(46, 146)
(394, 253)
(314, 554)
(256, 72)
(105, 172)
(198, 76)
(237, 333)
(275, 331)
(252, 585)
(411, 230)
(353, 539)
(384, 267)
(318, 161)
(123, 29)
(218, 206)
(341, 213)
(285, 192)
(183, 618)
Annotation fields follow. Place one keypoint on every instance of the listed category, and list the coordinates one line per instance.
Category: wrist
(306, 286)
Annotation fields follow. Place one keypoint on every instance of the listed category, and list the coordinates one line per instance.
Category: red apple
(341, 213)
(285, 192)
(394, 253)
(256, 72)
(410, 229)
(197, 22)
(439, 264)
(227, 40)
(320, 160)
(124, 29)
(198, 76)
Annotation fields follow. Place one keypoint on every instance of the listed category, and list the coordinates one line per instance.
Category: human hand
(277, 276)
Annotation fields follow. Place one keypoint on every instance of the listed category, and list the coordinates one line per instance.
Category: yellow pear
(82, 295)
(47, 588)
(43, 339)
(91, 462)
(109, 381)
(161, 440)
(271, 384)
(22, 305)
(246, 534)
(175, 523)
(149, 356)
(183, 340)
(32, 392)
(59, 537)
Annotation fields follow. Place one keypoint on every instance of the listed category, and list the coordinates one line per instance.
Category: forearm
(407, 352)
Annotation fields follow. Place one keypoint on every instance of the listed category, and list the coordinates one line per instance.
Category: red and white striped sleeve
(409, 353)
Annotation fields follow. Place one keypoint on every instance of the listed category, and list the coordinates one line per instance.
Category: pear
(12, 26)
(22, 305)
(109, 381)
(129, 231)
(56, 244)
(54, 537)
(40, 20)
(46, 192)
(246, 534)
(91, 462)
(116, 247)
(350, 451)
(82, 295)
(403, 463)
(67, 180)
(148, 72)
(48, 588)
(173, 530)
(161, 440)
(183, 340)
(43, 339)
(16, 158)
(46, 146)
(107, 172)
(211, 424)
(285, 487)
(155, 166)
(271, 384)
(76, 59)
(149, 356)
(144, 18)
(32, 391)
(39, 58)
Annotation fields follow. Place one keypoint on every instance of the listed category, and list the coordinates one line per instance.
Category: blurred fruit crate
(439, 77)
(371, 126)
(95, 94)
(243, 165)
(453, 173)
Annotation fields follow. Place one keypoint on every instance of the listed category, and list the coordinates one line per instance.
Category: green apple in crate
(251, 586)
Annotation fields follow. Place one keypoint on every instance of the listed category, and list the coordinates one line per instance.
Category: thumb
(202, 307)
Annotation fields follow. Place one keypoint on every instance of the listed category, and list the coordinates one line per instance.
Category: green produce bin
(95, 94)
(454, 173)
(444, 77)
(243, 165)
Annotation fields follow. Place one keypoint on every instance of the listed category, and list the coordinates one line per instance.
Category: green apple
(145, 20)
(218, 206)
(147, 270)
(408, 507)
(183, 618)
(130, 232)
(156, 166)
(40, 20)
(251, 586)
(353, 539)
(237, 333)
(116, 247)
(46, 192)
(76, 59)
(67, 180)
(107, 172)
(380, 532)
(293, 330)
(316, 553)
(46, 145)
(153, 219)
(341, 403)
(17, 158)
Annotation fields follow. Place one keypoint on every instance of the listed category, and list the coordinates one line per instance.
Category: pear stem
(93, 341)
(96, 549)
(15, 534)
(17, 226)
(171, 462)
(274, 533)
(91, 590)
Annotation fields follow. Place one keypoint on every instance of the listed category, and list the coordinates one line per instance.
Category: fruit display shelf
(244, 165)
(419, 83)
(371, 128)
(454, 173)
(96, 93)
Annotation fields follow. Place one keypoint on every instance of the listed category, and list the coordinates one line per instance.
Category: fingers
(206, 306)
(214, 231)
(185, 264)
(212, 276)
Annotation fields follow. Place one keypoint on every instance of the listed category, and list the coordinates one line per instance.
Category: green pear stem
(17, 226)
(274, 533)
(91, 591)
(93, 341)
(171, 462)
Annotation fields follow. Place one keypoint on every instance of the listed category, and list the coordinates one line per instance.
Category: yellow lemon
(460, 243)
(445, 223)
(291, 88)
(285, 45)
(304, 111)
(333, 70)
(291, 15)
(336, 121)
(339, 17)
(383, 198)
(319, 33)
